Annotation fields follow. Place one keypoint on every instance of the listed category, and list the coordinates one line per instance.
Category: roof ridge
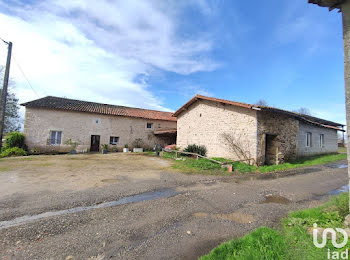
(67, 104)
(91, 102)
(251, 106)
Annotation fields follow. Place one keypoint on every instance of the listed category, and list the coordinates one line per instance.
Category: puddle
(342, 189)
(126, 200)
(338, 166)
(275, 175)
(276, 199)
(337, 191)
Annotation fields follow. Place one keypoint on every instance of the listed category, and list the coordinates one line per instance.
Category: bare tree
(262, 102)
(239, 146)
(303, 111)
(12, 116)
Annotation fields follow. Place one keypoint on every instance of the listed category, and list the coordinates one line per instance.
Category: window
(114, 140)
(149, 125)
(308, 139)
(321, 140)
(55, 137)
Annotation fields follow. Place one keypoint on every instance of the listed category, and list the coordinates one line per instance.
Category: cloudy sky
(158, 54)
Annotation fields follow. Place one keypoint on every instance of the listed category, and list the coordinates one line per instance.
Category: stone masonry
(79, 126)
(204, 123)
(285, 128)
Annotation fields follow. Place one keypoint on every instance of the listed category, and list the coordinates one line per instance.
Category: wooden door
(95, 143)
(271, 149)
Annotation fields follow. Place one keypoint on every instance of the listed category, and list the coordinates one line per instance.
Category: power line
(20, 68)
(25, 77)
(4, 41)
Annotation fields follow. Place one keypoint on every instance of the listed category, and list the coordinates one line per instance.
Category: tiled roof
(91, 107)
(305, 118)
(331, 4)
(165, 131)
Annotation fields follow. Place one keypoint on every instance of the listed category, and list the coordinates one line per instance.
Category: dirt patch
(237, 217)
(109, 180)
(276, 199)
(199, 186)
(84, 171)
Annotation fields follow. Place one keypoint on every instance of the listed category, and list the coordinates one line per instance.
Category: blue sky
(158, 54)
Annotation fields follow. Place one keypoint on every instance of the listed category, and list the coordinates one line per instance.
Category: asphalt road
(174, 215)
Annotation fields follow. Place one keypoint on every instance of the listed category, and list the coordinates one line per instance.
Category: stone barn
(258, 134)
(51, 121)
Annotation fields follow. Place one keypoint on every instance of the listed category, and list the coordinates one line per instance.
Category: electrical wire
(4, 41)
(21, 70)
(25, 77)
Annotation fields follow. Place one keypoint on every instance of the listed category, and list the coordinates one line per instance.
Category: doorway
(271, 149)
(95, 143)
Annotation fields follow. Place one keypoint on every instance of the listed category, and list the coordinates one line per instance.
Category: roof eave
(200, 97)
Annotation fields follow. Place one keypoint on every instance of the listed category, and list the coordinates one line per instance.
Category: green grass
(263, 243)
(205, 166)
(291, 240)
(341, 149)
(302, 162)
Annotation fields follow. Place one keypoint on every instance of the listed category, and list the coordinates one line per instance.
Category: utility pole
(344, 7)
(4, 92)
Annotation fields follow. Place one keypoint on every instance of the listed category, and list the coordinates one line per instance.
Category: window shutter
(58, 138)
(53, 137)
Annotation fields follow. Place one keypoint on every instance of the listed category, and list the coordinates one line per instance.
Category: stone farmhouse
(264, 135)
(260, 135)
(51, 121)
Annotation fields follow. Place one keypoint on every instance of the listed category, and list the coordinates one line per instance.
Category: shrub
(104, 146)
(193, 148)
(138, 143)
(14, 139)
(72, 144)
(13, 151)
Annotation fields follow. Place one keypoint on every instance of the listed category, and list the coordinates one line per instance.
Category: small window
(321, 140)
(308, 139)
(149, 125)
(55, 137)
(114, 140)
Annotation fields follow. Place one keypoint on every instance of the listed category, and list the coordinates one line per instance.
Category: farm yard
(134, 205)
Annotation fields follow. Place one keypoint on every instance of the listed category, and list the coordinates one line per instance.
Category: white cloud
(98, 50)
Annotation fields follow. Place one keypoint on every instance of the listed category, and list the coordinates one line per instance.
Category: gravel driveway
(135, 207)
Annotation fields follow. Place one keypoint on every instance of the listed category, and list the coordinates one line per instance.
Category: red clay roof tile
(51, 102)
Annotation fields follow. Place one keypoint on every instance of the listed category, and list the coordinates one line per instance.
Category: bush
(138, 143)
(14, 139)
(193, 148)
(13, 151)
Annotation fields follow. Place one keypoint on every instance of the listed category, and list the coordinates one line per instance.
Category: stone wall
(286, 130)
(79, 127)
(330, 140)
(204, 122)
